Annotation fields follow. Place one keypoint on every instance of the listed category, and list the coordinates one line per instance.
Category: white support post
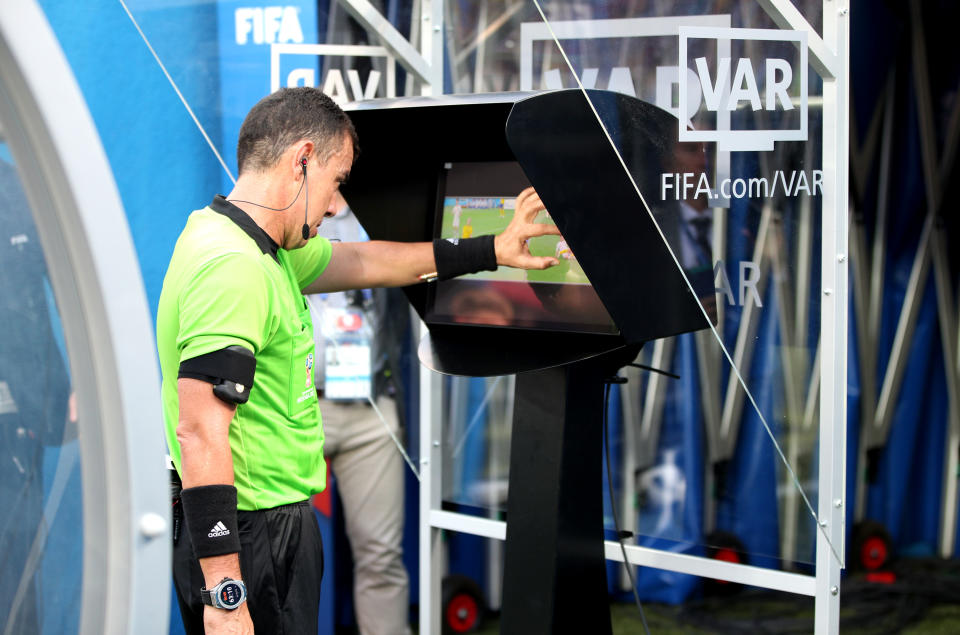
(431, 469)
(833, 317)
(377, 25)
(431, 44)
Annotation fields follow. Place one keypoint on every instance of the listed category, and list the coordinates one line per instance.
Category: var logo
(296, 65)
(733, 85)
(267, 25)
(334, 85)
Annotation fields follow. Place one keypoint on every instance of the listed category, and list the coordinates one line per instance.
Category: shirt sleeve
(225, 304)
(310, 261)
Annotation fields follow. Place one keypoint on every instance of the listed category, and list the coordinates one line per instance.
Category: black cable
(273, 209)
(654, 370)
(613, 504)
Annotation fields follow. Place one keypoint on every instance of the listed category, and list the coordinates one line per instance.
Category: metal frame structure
(425, 64)
(829, 56)
(108, 331)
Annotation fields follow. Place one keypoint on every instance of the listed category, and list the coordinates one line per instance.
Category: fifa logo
(309, 367)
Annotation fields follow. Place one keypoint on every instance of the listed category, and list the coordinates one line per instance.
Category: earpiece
(305, 230)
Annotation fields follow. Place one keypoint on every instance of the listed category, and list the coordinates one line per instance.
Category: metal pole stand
(555, 570)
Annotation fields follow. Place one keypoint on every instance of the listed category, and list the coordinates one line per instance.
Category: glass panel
(477, 421)
(41, 533)
(724, 456)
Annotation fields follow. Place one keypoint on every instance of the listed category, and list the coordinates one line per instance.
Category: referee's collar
(266, 244)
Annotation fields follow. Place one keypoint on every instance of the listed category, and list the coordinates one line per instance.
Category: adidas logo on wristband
(218, 530)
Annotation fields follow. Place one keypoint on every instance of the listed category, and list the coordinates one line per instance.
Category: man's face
(690, 157)
(323, 181)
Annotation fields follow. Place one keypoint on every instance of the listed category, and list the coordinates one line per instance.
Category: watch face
(230, 595)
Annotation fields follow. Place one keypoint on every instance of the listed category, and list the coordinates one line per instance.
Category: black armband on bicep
(466, 255)
(210, 515)
(230, 370)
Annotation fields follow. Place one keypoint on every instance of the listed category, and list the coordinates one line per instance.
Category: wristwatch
(228, 594)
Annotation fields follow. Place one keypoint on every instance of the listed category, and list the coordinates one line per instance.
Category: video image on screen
(477, 199)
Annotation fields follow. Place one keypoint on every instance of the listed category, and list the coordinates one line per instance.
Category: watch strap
(207, 596)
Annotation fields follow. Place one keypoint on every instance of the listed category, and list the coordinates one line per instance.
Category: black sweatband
(230, 370)
(210, 515)
(455, 257)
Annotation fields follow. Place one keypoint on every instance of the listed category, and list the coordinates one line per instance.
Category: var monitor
(479, 198)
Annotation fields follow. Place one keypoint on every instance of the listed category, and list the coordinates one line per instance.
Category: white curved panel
(98, 287)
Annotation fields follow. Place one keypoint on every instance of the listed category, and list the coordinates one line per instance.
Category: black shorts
(281, 560)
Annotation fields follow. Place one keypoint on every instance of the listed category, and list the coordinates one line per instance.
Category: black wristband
(455, 257)
(210, 514)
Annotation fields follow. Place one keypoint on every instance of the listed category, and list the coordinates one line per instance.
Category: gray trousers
(369, 473)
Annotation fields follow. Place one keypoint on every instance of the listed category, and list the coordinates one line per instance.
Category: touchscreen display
(477, 199)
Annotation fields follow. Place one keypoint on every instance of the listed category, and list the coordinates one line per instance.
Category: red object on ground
(874, 553)
(462, 613)
(726, 555)
(882, 577)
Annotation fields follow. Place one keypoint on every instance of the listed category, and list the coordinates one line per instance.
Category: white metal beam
(833, 322)
(787, 16)
(431, 464)
(646, 557)
(367, 15)
(715, 569)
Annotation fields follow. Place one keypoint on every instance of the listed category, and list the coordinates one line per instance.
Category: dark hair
(281, 119)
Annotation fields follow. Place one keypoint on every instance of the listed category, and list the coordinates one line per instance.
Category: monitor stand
(554, 578)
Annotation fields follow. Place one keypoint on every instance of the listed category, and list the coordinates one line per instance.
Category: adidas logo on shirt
(218, 530)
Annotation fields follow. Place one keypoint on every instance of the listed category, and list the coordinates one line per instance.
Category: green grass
(483, 221)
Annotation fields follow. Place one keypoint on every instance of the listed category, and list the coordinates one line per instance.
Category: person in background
(360, 336)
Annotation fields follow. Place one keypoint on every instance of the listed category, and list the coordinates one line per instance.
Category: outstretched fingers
(540, 229)
(511, 246)
(537, 262)
(528, 205)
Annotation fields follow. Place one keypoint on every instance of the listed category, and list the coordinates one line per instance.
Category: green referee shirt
(229, 284)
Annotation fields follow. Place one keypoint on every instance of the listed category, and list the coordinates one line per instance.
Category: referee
(236, 350)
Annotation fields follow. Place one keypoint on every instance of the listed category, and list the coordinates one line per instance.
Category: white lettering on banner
(749, 277)
(302, 77)
(687, 186)
(268, 25)
(334, 86)
(621, 80)
(667, 78)
(333, 83)
(744, 86)
(630, 76)
(724, 89)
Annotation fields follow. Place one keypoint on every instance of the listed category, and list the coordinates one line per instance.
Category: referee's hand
(511, 246)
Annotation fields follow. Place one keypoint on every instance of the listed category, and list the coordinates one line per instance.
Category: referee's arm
(392, 264)
(205, 459)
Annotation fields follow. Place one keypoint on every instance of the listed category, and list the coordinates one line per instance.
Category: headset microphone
(306, 200)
